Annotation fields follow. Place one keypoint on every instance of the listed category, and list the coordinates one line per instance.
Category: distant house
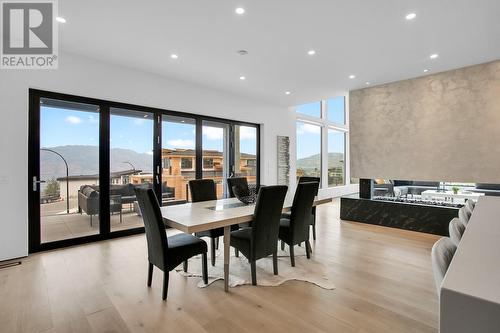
(76, 181)
(179, 166)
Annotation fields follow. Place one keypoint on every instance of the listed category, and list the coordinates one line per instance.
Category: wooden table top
(206, 215)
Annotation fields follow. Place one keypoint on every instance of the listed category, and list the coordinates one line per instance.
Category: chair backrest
(464, 215)
(442, 254)
(456, 230)
(471, 204)
(202, 190)
(240, 182)
(266, 220)
(300, 218)
(306, 179)
(155, 229)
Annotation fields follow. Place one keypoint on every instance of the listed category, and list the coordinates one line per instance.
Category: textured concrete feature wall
(441, 127)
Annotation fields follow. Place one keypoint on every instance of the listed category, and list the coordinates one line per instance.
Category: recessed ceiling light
(434, 56)
(410, 16)
(174, 56)
(287, 93)
(367, 83)
(311, 52)
(242, 78)
(426, 70)
(239, 11)
(352, 76)
(60, 19)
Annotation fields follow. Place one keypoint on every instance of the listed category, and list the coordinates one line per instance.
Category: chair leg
(275, 263)
(292, 256)
(236, 253)
(314, 230)
(150, 274)
(308, 249)
(212, 249)
(204, 268)
(282, 246)
(254, 272)
(165, 285)
(185, 266)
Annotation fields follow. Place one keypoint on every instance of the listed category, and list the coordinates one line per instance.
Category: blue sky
(60, 127)
(309, 135)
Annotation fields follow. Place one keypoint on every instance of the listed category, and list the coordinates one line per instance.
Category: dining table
(222, 213)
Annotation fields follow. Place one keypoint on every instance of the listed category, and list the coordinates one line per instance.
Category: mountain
(311, 162)
(84, 160)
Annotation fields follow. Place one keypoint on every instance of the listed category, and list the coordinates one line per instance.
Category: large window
(311, 109)
(215, 143)
(335, 108)
(322, 134)
(308, 150)
(178, 153)
(187, 163)
(69, 171)
(131, 164)
(87, 157)
(245, 153)
(336, 157)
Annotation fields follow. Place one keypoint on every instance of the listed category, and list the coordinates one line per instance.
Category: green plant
(52, 187)
(455, 189)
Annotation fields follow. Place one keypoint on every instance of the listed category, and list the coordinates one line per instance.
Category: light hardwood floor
(383, 283)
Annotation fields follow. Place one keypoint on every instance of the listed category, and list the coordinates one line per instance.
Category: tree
(52, 188)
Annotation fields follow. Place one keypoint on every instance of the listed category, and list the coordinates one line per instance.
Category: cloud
(73, 120)
(93, 119)
(149, 152)
(305, 128)
(139, 121)
(213, 133)
(180, 143)
(248, 133)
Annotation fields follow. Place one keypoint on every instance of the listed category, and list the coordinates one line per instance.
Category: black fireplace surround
(410, 215)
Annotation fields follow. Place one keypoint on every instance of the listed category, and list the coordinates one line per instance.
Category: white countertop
(475, 268)
(470, 293)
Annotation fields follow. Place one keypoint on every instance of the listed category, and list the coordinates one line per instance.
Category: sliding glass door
(130, 163)
(215, 154)
(245, 153)
(87, 157)
(178, 158)
(66, 183)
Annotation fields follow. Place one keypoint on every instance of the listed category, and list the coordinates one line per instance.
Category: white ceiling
(368, 38)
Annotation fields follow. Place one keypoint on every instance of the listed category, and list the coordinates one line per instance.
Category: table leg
(227, 235)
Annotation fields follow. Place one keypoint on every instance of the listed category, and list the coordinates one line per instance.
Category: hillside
(334, 160)
(84, 160)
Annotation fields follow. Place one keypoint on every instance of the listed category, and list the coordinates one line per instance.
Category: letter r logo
(27, 27)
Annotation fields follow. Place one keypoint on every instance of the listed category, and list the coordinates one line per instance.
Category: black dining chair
(164, 252)
(205, 190)
(295, 229)
(307, 179)
(241, 183)
(261, 239)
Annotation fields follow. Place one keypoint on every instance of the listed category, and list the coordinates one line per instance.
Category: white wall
(86, 77)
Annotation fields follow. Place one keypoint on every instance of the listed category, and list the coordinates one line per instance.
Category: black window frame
(34, 96)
